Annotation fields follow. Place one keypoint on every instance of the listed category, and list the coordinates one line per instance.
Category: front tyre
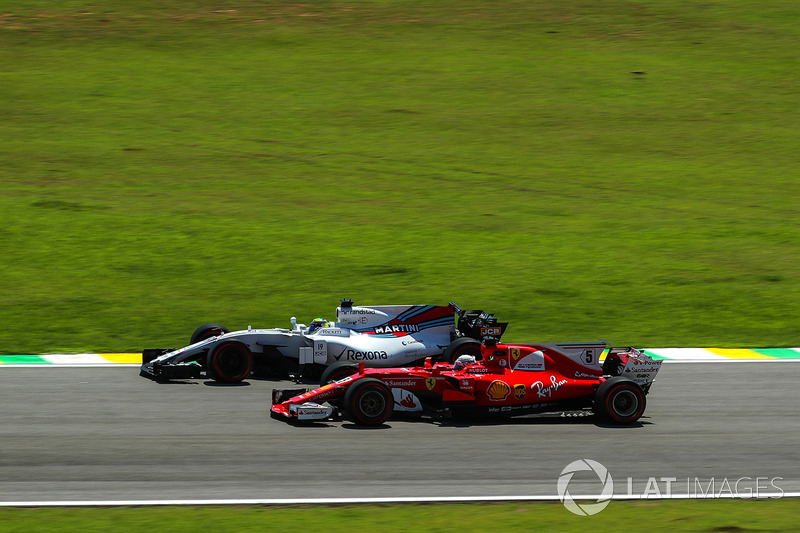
(368, 402)
(229, 362)
(337, 371)
(619, 401)
(207, 331)
(462, 346)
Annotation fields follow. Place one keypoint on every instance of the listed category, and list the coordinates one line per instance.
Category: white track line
(367, 501)
(688, 354)
(74, 359)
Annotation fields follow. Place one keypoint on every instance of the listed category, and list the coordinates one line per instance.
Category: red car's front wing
(301, 404)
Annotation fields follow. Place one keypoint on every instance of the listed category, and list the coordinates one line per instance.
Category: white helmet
(462, 361)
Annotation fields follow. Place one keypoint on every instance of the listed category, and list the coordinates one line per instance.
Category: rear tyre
(229, 362)
(337, 371)
(369, 402)
(462, 346)
(206, 331)
(619, 401)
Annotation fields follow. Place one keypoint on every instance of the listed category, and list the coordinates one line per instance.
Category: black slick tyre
(619, 401)
(206, 331)
(229, 362)
(462, 346)
(337, 371)
(368, 402)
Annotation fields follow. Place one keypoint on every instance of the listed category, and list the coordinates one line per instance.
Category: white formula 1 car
(378, 336)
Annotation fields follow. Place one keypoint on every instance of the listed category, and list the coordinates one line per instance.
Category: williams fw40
(375, 336)
(508, 380)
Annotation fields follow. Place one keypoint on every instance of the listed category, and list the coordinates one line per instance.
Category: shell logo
(498, 390)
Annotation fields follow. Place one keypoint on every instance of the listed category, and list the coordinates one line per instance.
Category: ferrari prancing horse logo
(430, 383)
(515, 353)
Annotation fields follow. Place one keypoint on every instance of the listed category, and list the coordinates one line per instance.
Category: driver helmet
(463, 361)
(316, 324)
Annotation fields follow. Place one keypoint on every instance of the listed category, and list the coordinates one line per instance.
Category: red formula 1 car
(506, 380)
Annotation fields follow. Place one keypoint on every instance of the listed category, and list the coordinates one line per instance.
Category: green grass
(619, 170)
(669, 516)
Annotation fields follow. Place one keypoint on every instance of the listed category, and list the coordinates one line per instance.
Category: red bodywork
(509, 380)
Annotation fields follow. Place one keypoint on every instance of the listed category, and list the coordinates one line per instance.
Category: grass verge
(672, 515)
(624, 170)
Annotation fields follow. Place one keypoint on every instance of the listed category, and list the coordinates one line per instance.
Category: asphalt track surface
(106, 434)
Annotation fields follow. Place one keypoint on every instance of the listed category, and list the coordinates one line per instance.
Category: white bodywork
(641, 368)
(380, 336)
